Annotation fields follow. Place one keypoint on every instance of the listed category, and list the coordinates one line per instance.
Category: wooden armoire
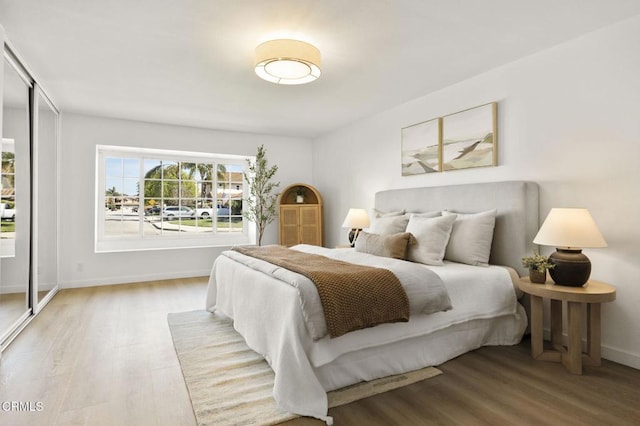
(300, 221)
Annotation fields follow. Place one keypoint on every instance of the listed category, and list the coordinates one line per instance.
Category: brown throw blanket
(352, 296)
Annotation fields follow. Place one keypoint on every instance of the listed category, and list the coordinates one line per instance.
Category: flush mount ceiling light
(287, 61)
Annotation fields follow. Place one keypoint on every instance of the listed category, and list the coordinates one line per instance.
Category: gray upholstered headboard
(516, 203)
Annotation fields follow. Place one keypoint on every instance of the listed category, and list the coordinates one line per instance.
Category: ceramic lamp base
(572, 267)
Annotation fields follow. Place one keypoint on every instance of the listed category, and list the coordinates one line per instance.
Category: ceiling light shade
(287, 61)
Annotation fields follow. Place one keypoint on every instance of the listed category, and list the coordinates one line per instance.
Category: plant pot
(537, 277)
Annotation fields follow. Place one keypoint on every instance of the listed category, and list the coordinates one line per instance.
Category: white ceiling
(190, 62)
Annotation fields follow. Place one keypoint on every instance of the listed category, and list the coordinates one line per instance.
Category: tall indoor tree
(262, 203)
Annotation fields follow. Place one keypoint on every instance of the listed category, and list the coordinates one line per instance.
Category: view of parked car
(6, 213)
(178, 211)
(152, 210)
(205, 213)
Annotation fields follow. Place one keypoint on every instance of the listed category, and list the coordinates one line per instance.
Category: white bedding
(268, 315)
(475, 292)
(425, 290)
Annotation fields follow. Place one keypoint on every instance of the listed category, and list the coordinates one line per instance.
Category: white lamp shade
(356, 219)
(569, 229)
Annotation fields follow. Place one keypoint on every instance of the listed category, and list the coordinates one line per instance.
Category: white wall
(79, 264)
(568, 119)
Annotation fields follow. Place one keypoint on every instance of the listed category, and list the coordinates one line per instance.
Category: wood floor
(12, 306)
(104, 356)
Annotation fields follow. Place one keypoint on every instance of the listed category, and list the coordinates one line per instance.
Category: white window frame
(106, 243)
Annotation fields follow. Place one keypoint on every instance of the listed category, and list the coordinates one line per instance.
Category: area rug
(229, 384)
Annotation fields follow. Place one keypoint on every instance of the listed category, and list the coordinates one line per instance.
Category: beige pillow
(431, 238)
(394, 246)
(471, 238)
(389, 225)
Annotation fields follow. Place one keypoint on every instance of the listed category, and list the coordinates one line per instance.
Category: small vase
(537, 277)
(299, 199)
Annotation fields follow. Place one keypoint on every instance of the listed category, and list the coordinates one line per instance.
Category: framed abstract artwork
(421, 152)
(469, 138)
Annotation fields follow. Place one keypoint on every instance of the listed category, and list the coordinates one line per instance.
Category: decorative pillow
(431, 235)
(394, 246)
(471, 238)
(389, 225)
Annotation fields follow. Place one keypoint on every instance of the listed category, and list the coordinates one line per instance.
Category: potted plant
(261, 205)
(538, 266)
(300, 195)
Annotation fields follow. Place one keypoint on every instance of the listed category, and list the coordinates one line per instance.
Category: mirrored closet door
(29, 208)
(15, 199)
(45, 196)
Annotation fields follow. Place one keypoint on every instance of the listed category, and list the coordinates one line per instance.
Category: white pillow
(431, 237)
(471, 238)
(379, 213)
(389, 225)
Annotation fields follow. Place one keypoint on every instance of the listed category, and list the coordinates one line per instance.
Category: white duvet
(267, 313)
(425, 290)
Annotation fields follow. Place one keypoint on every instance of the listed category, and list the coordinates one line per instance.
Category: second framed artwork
(462, 140)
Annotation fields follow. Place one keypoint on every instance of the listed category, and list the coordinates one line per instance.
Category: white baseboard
(93, 282)
(22, 288)
(621, 357)
(612, 354)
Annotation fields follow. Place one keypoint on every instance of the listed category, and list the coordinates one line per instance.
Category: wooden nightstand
(592, 294)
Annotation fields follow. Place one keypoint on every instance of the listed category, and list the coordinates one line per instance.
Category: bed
(269, 314)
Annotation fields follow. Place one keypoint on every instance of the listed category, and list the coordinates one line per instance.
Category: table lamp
(356, 220)
(569, 230)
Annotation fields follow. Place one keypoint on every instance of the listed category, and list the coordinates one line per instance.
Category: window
(151, 199)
